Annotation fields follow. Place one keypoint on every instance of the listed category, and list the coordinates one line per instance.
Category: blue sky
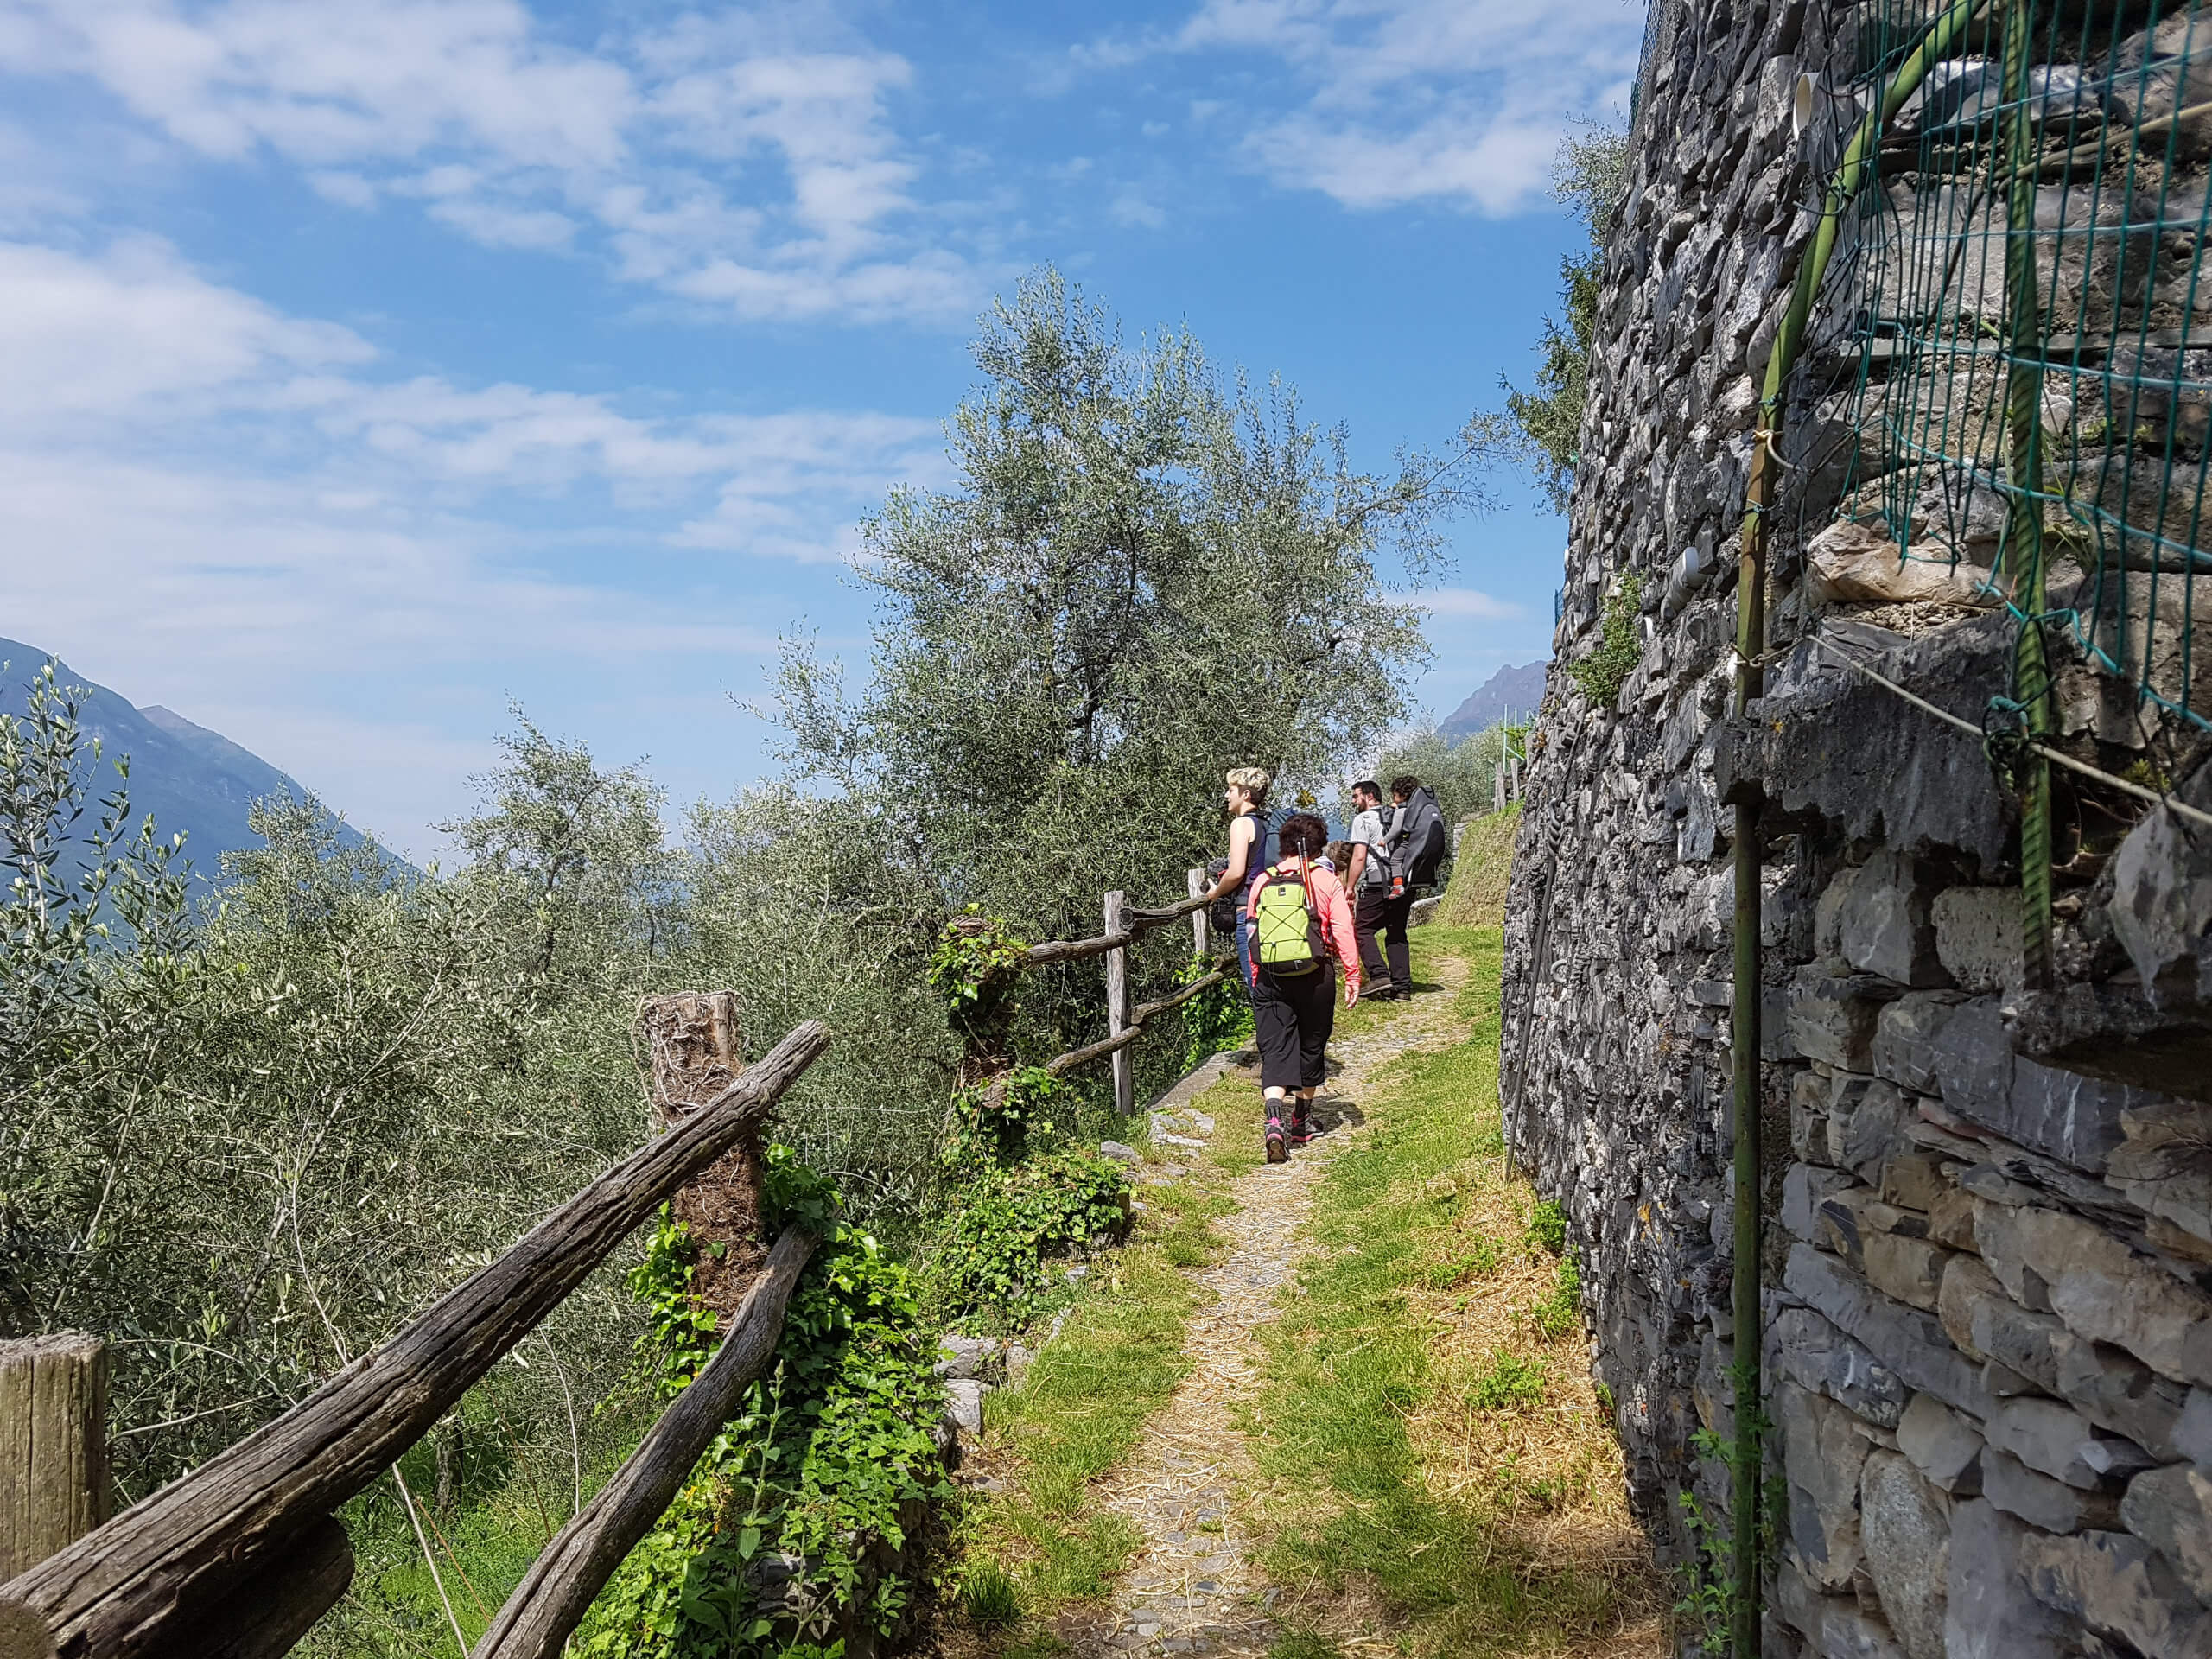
(373, 362)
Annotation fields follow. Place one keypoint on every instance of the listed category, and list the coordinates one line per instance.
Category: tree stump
(695, 1043)
(53, 1484)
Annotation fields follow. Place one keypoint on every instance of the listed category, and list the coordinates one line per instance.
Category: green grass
(1355, 1361)
(1077, 1415)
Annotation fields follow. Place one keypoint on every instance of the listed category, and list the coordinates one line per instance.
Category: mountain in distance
(1511, 691)
(189, 778)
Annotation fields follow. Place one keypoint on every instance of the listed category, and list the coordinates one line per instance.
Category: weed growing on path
(1430, 1425)
(1511, 1383)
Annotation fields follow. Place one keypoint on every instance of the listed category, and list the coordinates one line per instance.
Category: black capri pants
(1291, 1017)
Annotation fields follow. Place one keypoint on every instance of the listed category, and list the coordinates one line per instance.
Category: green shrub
(1547, 1227)
(1511, 1383)
(1016, 1225)
(1562, 1311)
(1604, 670)
(825, 1455)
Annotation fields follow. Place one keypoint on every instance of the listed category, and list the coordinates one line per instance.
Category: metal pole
(1744, 1035)
(2023, 548)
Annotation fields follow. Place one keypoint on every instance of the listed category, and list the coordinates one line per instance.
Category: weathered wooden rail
(227, 1548)
(239, 1557)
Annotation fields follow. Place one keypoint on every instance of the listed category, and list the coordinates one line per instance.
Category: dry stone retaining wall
(1989, 1244)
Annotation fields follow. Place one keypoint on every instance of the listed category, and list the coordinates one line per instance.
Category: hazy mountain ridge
(189, 778)
(1511, 691)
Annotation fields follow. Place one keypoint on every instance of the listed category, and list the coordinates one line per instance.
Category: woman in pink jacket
(1294, 982)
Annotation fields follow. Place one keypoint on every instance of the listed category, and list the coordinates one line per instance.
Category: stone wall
(1989, 1241)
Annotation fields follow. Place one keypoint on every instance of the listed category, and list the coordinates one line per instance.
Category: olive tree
(1147, 574)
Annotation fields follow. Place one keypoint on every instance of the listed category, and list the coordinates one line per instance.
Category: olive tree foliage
(1590, 175)
(1145, 576)
(248, 1138)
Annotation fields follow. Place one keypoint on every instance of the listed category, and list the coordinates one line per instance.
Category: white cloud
(745, 163)
(1408, 100)
(1468, 601)
(199, 494)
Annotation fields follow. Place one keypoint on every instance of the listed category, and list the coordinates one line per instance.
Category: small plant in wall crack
(1605, 668)
(1710, 1592)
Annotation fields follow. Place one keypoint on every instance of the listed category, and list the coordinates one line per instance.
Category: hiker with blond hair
(1249, 848)
(1299, 917)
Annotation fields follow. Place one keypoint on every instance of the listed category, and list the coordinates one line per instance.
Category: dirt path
(1198, 1585)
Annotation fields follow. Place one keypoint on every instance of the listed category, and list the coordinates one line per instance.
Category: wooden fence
(239, 1557)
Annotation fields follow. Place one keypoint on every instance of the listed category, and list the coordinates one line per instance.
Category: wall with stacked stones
(1989, 1249)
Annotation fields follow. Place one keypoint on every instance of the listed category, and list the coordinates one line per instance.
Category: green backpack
(1285, 925)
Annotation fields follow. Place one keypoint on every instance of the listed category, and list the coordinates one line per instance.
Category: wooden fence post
(695, 1042)
(53, 1446)
(1117, 1008)
(1201, 928)
(1497, 786)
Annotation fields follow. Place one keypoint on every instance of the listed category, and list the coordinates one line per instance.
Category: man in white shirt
(1368, 880)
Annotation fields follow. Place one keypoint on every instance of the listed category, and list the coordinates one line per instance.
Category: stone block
(1884, 923)
(2054, 1259)
(1823, 1452)
(1834, 1627)
(1833, 1017)
(2120, 1587)
(965, 1356)
(2193, 1430)
(2107, 1386)
(1911, 1269)
(1834, 742)
(1827, 911)
(1713, 1393)
(1910, 1342)
(2161, 906)
(1811, 1351)
(2056, 1440)
(963, 1404)
(2071, 1117)
(1943, 1446)
(1904, 1528)
(1989, 1610)
(2171, 1508)
(1950, 1219)
(1804, 1190)
(1808, 1116)
(2162, 1166)
(2039, 1500)
(1866, 1122)
(1978, 936)
(1913, 1181)
(1904, 1050)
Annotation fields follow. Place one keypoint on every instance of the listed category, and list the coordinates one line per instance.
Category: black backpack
(1425, 841)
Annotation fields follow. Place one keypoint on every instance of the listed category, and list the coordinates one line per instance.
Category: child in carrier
(1299, 918)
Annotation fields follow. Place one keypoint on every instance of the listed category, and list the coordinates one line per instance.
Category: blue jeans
(1244, 951)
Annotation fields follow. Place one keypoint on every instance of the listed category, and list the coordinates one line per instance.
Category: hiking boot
(1277, 1153)
(1301, 1126)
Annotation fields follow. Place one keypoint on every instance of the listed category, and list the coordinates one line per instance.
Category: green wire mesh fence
(2072, 139)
